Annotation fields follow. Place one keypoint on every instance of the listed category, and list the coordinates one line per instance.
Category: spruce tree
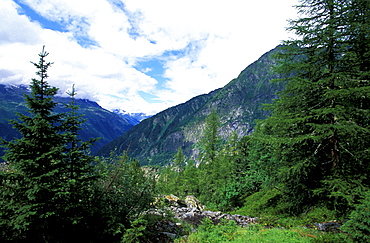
(319, 128)
(29, 194)
(44, 190)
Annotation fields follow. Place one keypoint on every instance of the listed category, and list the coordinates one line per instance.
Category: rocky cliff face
(238, 104)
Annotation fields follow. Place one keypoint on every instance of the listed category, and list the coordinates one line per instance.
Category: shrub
(358, 226)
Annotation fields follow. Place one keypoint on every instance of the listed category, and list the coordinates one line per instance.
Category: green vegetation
(358, 226)
(52, 190)
(214, 181)
(309, 161)
(228, 231)
(320, 123)
(306, 164)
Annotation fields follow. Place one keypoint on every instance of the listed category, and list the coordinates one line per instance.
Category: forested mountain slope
(238, 104)
(99, 122)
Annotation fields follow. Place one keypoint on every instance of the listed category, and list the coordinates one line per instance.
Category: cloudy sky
(139, 55)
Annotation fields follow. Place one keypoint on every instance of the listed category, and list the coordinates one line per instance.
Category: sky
(138, 55)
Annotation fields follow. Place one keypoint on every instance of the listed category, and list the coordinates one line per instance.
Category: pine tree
(320, 123)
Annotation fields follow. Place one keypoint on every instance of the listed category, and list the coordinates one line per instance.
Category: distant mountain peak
(133, 118)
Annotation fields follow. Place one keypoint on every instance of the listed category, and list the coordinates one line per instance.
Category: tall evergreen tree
(320, 123)
(210, 142)
(29, 193)
(41, 195)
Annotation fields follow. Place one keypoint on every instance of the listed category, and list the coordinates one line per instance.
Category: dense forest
(307, 163)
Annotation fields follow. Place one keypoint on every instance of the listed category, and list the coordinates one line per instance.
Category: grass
(273, 226)
(229, 232)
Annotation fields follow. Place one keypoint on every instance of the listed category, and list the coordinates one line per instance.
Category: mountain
(99, 122)
(133, 118)
(238, 104)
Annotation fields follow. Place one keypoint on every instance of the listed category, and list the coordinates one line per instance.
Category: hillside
(99, 122)
(238, 104)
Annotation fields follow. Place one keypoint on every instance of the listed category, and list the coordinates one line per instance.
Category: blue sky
(139, 55)
(26, 10)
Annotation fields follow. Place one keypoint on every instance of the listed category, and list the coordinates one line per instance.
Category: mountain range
(155, 139)
(238, 104)
(100, 123)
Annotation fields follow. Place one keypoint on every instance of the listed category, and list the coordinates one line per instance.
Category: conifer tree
(210, 142)
(42, 194)
(78, 160)
(320, 123)
(179, 159)
(29, 194)
(190, 178)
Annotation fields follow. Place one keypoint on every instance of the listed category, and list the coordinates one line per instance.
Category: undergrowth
(274, 225)
(228, 231)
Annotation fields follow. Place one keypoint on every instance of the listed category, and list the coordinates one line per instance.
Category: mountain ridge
(238, 104)
(100, 122)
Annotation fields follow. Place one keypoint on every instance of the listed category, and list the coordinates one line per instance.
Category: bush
(358, 226)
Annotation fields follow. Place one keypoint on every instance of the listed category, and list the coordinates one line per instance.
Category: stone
(192, 202)
(172, 200)
(328, 226)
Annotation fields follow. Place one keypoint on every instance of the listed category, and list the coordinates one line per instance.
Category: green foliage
(52, 190)
(236, 169)
(179, 160)
(358, 226)
(179, 179)
(126, 190)
(318, 129)
(217, 181)
(35, 195)
(136, 232)
(208, 232)
(210, 141)
(228, 231)
(266, 202)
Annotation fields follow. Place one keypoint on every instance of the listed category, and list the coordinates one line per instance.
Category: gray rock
(328, 226)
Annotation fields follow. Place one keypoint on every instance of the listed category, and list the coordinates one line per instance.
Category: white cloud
(215, 40)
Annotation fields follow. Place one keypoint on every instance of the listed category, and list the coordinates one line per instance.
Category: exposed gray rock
(192, 202)
(328, 226)
(192, 212)
(195, 216)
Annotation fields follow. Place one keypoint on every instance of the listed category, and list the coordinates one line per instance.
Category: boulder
(172, 200)
(192, 202)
